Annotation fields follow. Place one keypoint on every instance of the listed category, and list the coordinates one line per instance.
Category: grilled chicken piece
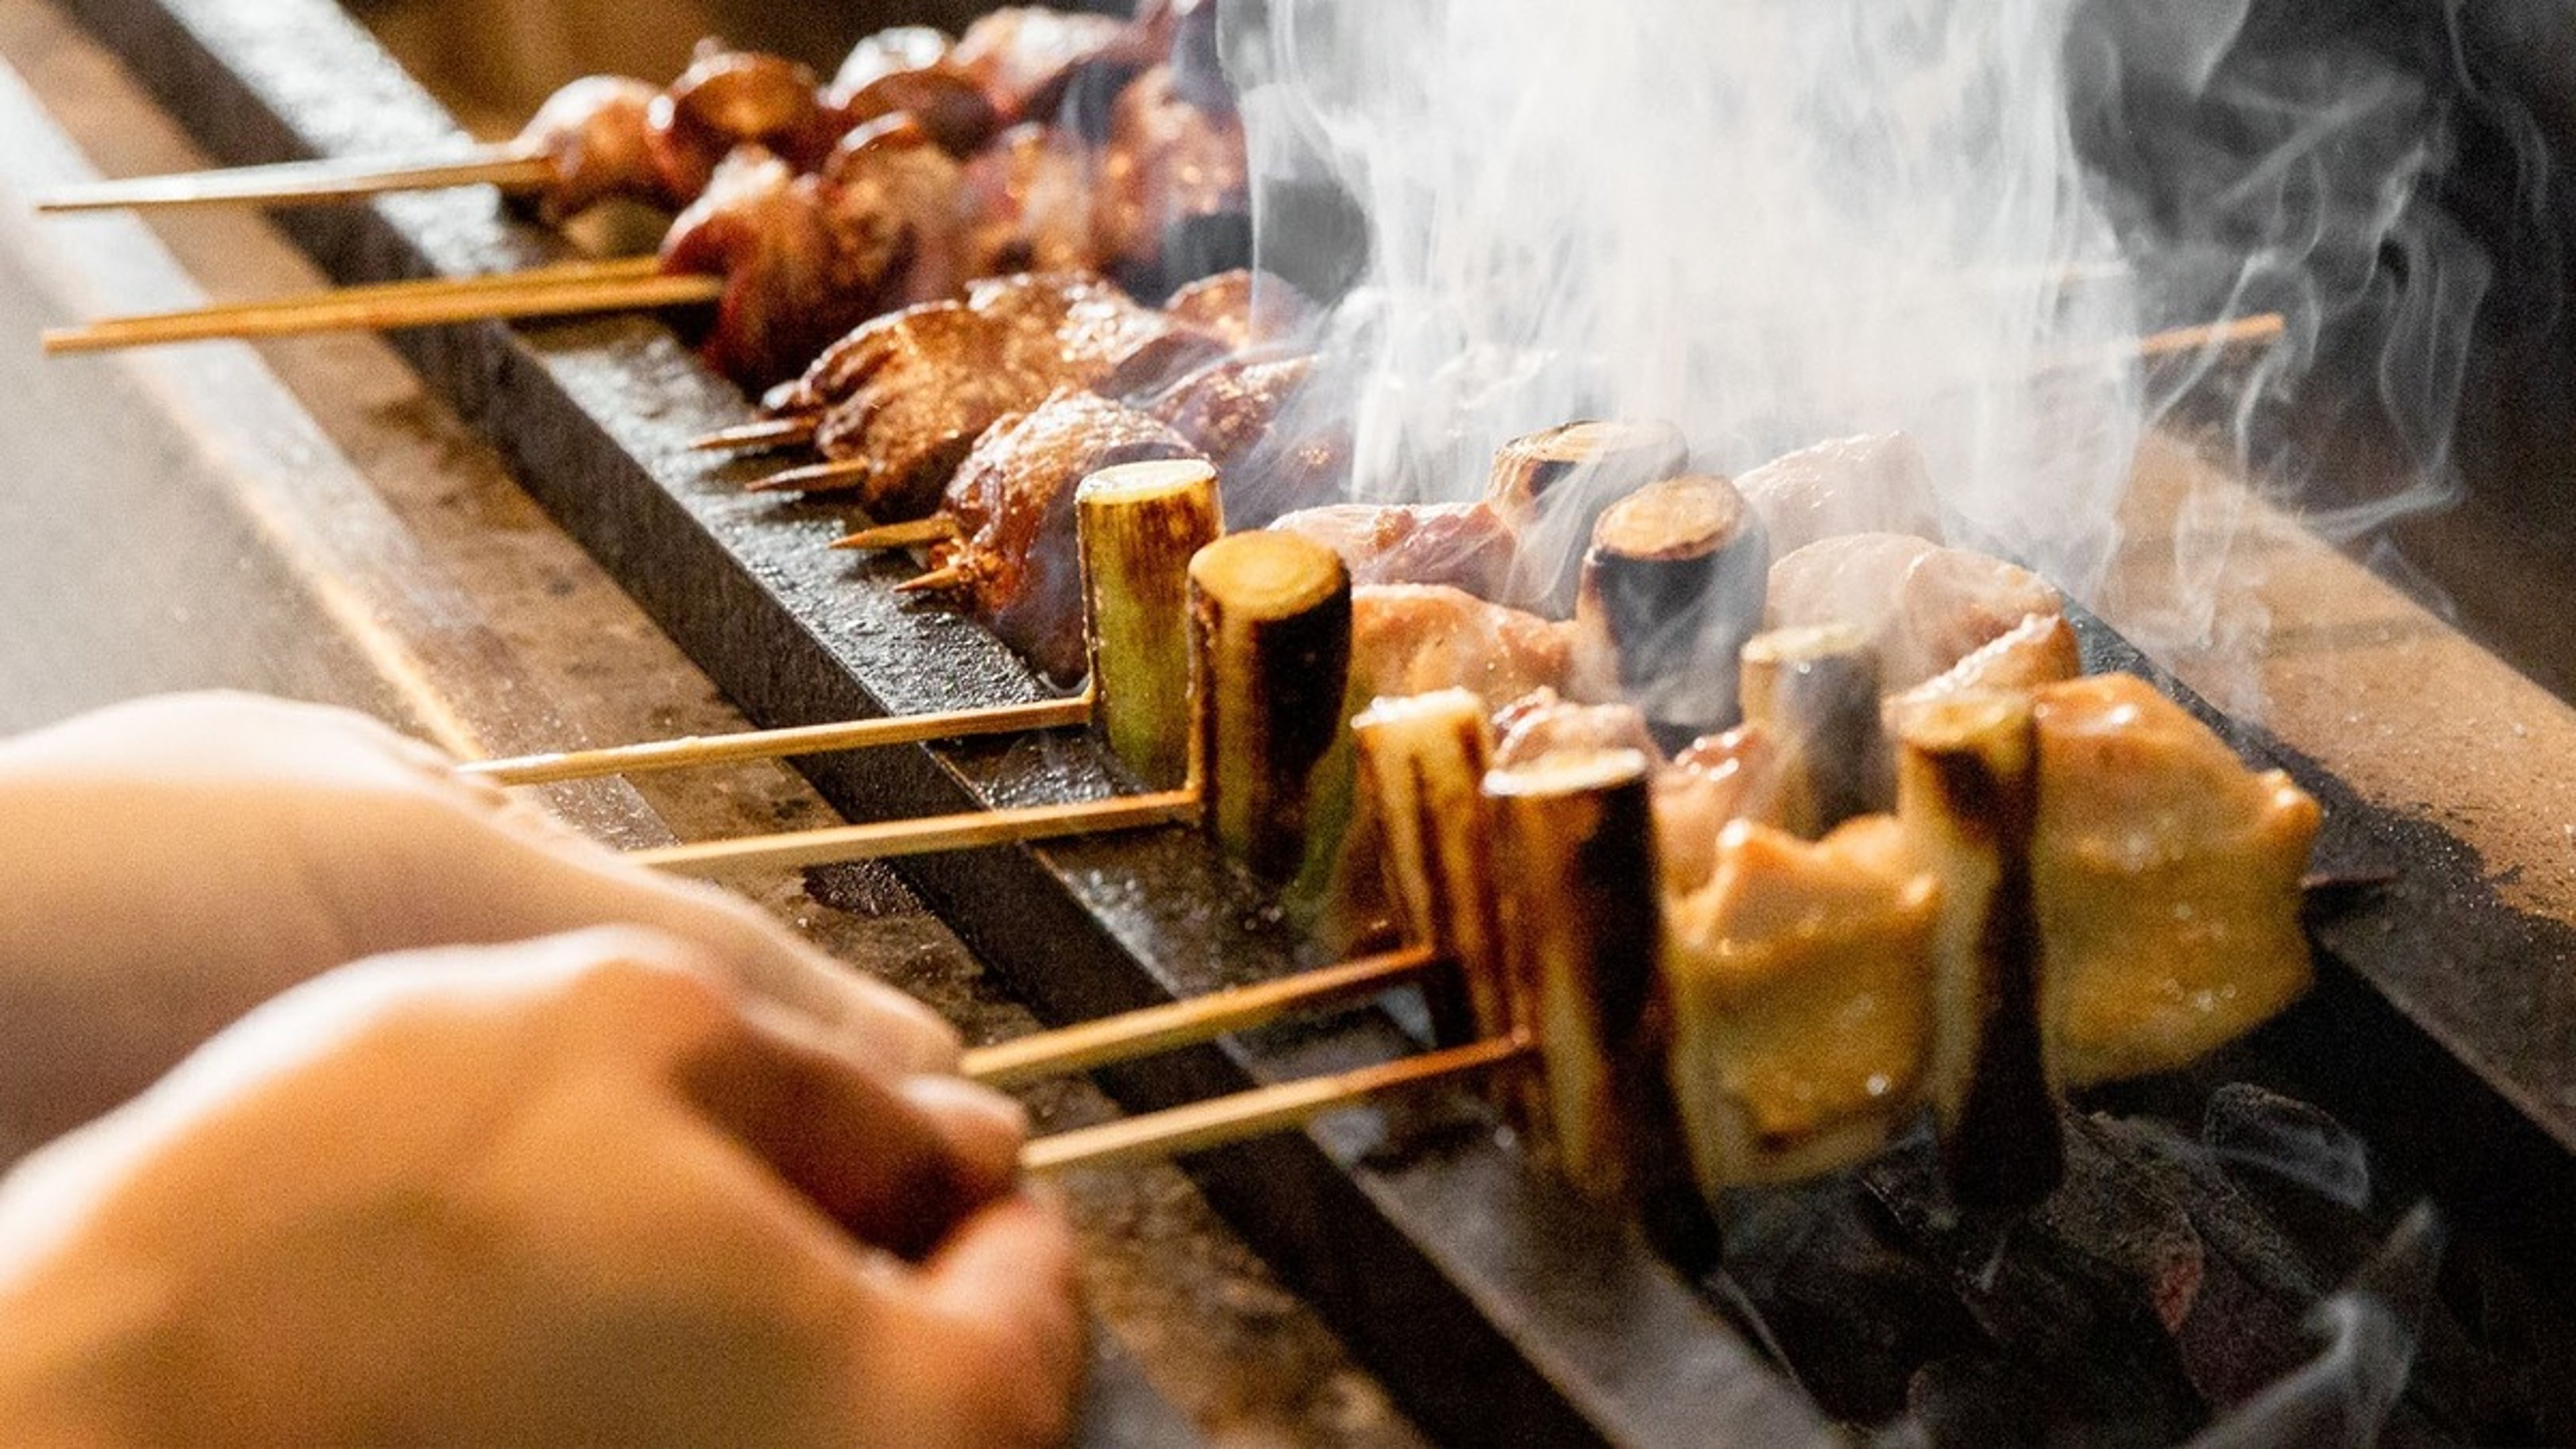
(1021, 55)
(1012, 498)
(595, 133)
(798, 270)
(1242, 308)
(2041, 649)
(1717, 781)
(2167, 881)
(1871, 483)
(1800, 989)
(1415, 638)
(906, 69)
(895, 50)
(1029, 197)
(1167, 163)
(1923, 607)
(893, 171)
(909, 393)
(729, 99)
(1463, 545)
(1271, 429)
(1543, 722)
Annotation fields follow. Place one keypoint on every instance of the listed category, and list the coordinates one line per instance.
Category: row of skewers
(1897, 857)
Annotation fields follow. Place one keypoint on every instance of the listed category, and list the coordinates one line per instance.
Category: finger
(1008, 1285)
(981, 1126)
(505, 882)
(841, 1133)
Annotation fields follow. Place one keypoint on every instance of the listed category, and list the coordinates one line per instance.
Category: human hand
(174, 862)
(577, 1190)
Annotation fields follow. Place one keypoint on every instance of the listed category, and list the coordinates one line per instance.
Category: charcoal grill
(1484, 1295)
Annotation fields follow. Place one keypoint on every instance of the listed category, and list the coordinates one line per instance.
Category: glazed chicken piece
(1021, 55)
(1544, 722)
(2041, 649)
(594, 133)
(1800, 992)
(2167, 879)
(907, 69)
(1028, 195)
(1462, 545)
(798, 271)
(1270, 428)
(729, 99)
(909, 393)
(1242, 308)
(1415, 638)
(1168, 163)
(893, 171)
(1923, 607)
(1871, 483)
(1013, 500)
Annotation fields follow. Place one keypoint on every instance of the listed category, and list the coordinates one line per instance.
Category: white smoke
(1768, 222)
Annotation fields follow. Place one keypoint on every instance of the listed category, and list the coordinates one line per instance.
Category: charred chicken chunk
(1242, 308)
(798, 270)
(1021, 54)
(910, 392)
(1265, 423)
(1013, 500)
(1029, 202)
(1167, 163)
(594, 133)
(907, 70)
(731, 98)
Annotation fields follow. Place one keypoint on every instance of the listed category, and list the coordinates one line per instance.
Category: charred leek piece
(1813, 691)
(1969, 786)
(1672, 587)
(1801, 987)
(1583, 925)
(1270, 615)
(1425, 757)
(1555, 485)
(1140, 525)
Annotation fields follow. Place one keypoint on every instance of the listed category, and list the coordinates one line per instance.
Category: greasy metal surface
(1491, 1302)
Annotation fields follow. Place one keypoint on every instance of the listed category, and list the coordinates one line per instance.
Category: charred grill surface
(1490, 1300)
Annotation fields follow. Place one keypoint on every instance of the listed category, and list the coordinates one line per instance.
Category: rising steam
(1777, 223)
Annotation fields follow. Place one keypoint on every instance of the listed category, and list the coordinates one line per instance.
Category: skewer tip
(815, 478)
(952, 576)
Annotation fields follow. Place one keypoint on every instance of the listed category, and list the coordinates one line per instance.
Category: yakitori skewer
(1256, 1113)
(1185, 1023)
(1140, 525)
(509, 166)
(573, 289)
(1269, 655)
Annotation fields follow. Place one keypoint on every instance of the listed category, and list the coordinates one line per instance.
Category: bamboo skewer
(839, 473)
(767, 433)
(886, 839)
(305, 183)
(912, 533)
(607, 269)
(548, 769)
(435, 303)
(1185, 1023)
(1202, 1125)
(2240, 331)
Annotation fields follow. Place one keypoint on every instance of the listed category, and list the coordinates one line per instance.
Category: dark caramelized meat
(594, 132)
(730, 98)
(1466, 546)
(1021, 54)
(1013, 498)
(1242, 308)
(911, 392)
(907, 70)
(798, 270)
(1278, 445)
(1167, 164)
(892, 171)
(1029, 196)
